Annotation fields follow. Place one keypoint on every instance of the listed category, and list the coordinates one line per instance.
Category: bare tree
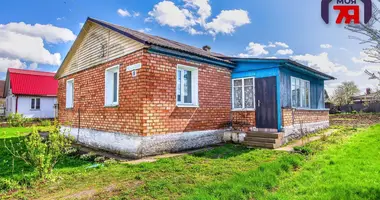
(344, 92)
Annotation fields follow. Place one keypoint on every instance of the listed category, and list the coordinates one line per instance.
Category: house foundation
(135, 146)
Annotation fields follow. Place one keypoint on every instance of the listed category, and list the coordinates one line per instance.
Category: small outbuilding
(31, 93)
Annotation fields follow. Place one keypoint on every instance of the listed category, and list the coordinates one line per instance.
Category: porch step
(265, 134)
(263, 139)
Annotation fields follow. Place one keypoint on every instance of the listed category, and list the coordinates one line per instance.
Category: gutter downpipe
(16, 104)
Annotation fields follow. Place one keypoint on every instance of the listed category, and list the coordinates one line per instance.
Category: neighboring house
(2, 99)
(368, 97)
(137, 94)
(31, 93)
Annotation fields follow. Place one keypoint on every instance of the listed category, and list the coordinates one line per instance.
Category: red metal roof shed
(29, 82)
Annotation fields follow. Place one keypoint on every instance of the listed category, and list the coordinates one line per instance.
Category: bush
(88, 157)
(45, 123)
(7, 184)
(40, 153)
(17, 120)
(303, 150)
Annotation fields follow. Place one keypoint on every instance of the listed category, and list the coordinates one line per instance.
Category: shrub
(40, 153)
(88, 156)
(100, 159)
(111, 161)
(7, 184)
(45, 123)
(303, 150)
(17, 120)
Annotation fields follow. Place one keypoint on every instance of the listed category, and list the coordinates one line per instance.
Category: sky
(38, 34)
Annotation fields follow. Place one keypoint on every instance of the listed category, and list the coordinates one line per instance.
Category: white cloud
(343, 49)
(363, 58)
(33, 66)
(322, 63)
(254, 50)
(285, 52)
(24, 47)
(81, 25)
(145, 30)
(204, 9)
(195, 13)
(326, 46)
(227, 21)
(192, 31)
(123, 13)
(6, 63)
(48, 32)
(136, 14)
(281, 44)
(60, 18)
(167, 13)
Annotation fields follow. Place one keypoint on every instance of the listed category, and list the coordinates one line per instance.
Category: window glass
(179, 88)
(38, 103)
(187, 86)
(69, 93)
(243, 93)
(33, 104)
(115, 87)
(300, 93)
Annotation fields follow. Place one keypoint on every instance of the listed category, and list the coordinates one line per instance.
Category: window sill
(242, 110)
(187, 106)
(35, 109)
(112, 106)
(69, 108)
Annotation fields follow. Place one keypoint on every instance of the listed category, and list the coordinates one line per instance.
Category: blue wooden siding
(261, 70)
(316, 89)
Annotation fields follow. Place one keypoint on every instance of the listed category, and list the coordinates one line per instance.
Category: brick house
(136, 94)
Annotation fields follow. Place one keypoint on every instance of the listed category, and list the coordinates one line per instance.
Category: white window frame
(107, 102)
(194, 86)
(243, 95)
(291, 95)
(35, 103)
(72, 94)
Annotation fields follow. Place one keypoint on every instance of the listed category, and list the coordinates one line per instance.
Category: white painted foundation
(134, 146)
(294, 131)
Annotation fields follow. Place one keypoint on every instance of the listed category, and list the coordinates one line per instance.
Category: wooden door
(266, 101)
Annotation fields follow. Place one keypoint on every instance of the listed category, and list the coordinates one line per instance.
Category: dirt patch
(360, 120)
(86, 194)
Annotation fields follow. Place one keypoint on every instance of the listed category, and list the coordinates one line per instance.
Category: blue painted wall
(261, 70)
(316, 89)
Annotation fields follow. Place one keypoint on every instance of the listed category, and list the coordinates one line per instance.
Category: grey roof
(162, 42)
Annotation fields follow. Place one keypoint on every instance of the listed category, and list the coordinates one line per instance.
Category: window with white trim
(243, 94)
(112, 86)
(187, 86)
(35, 103)
(300, 93)
(70, 93)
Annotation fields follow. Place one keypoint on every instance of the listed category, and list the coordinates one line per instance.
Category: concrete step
(260, 144)
(265, 135)
(264, 140)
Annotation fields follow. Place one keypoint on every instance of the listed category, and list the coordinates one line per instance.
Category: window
(70, 93)
(243, 94)
(112, 86)
(35, 103)
(300, 93)
(187, 86)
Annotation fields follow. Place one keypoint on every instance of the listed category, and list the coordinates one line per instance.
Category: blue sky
(242, 28)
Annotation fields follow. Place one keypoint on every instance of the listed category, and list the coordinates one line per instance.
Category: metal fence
(359, 107)
(2, 111)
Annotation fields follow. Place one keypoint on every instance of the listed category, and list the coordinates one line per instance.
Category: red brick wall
(243, 120)
(147, 103)
(303, 116)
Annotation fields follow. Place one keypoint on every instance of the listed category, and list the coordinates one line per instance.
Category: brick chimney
(368, 91)
(206, 48)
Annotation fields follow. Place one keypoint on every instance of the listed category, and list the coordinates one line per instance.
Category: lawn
(226, 172)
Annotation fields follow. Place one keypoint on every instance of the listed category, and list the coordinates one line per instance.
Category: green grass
(340, 167)
(350, 170)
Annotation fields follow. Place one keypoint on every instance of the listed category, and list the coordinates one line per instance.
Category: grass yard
(342, 166)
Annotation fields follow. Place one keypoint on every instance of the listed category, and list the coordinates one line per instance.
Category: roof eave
(170, 52)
